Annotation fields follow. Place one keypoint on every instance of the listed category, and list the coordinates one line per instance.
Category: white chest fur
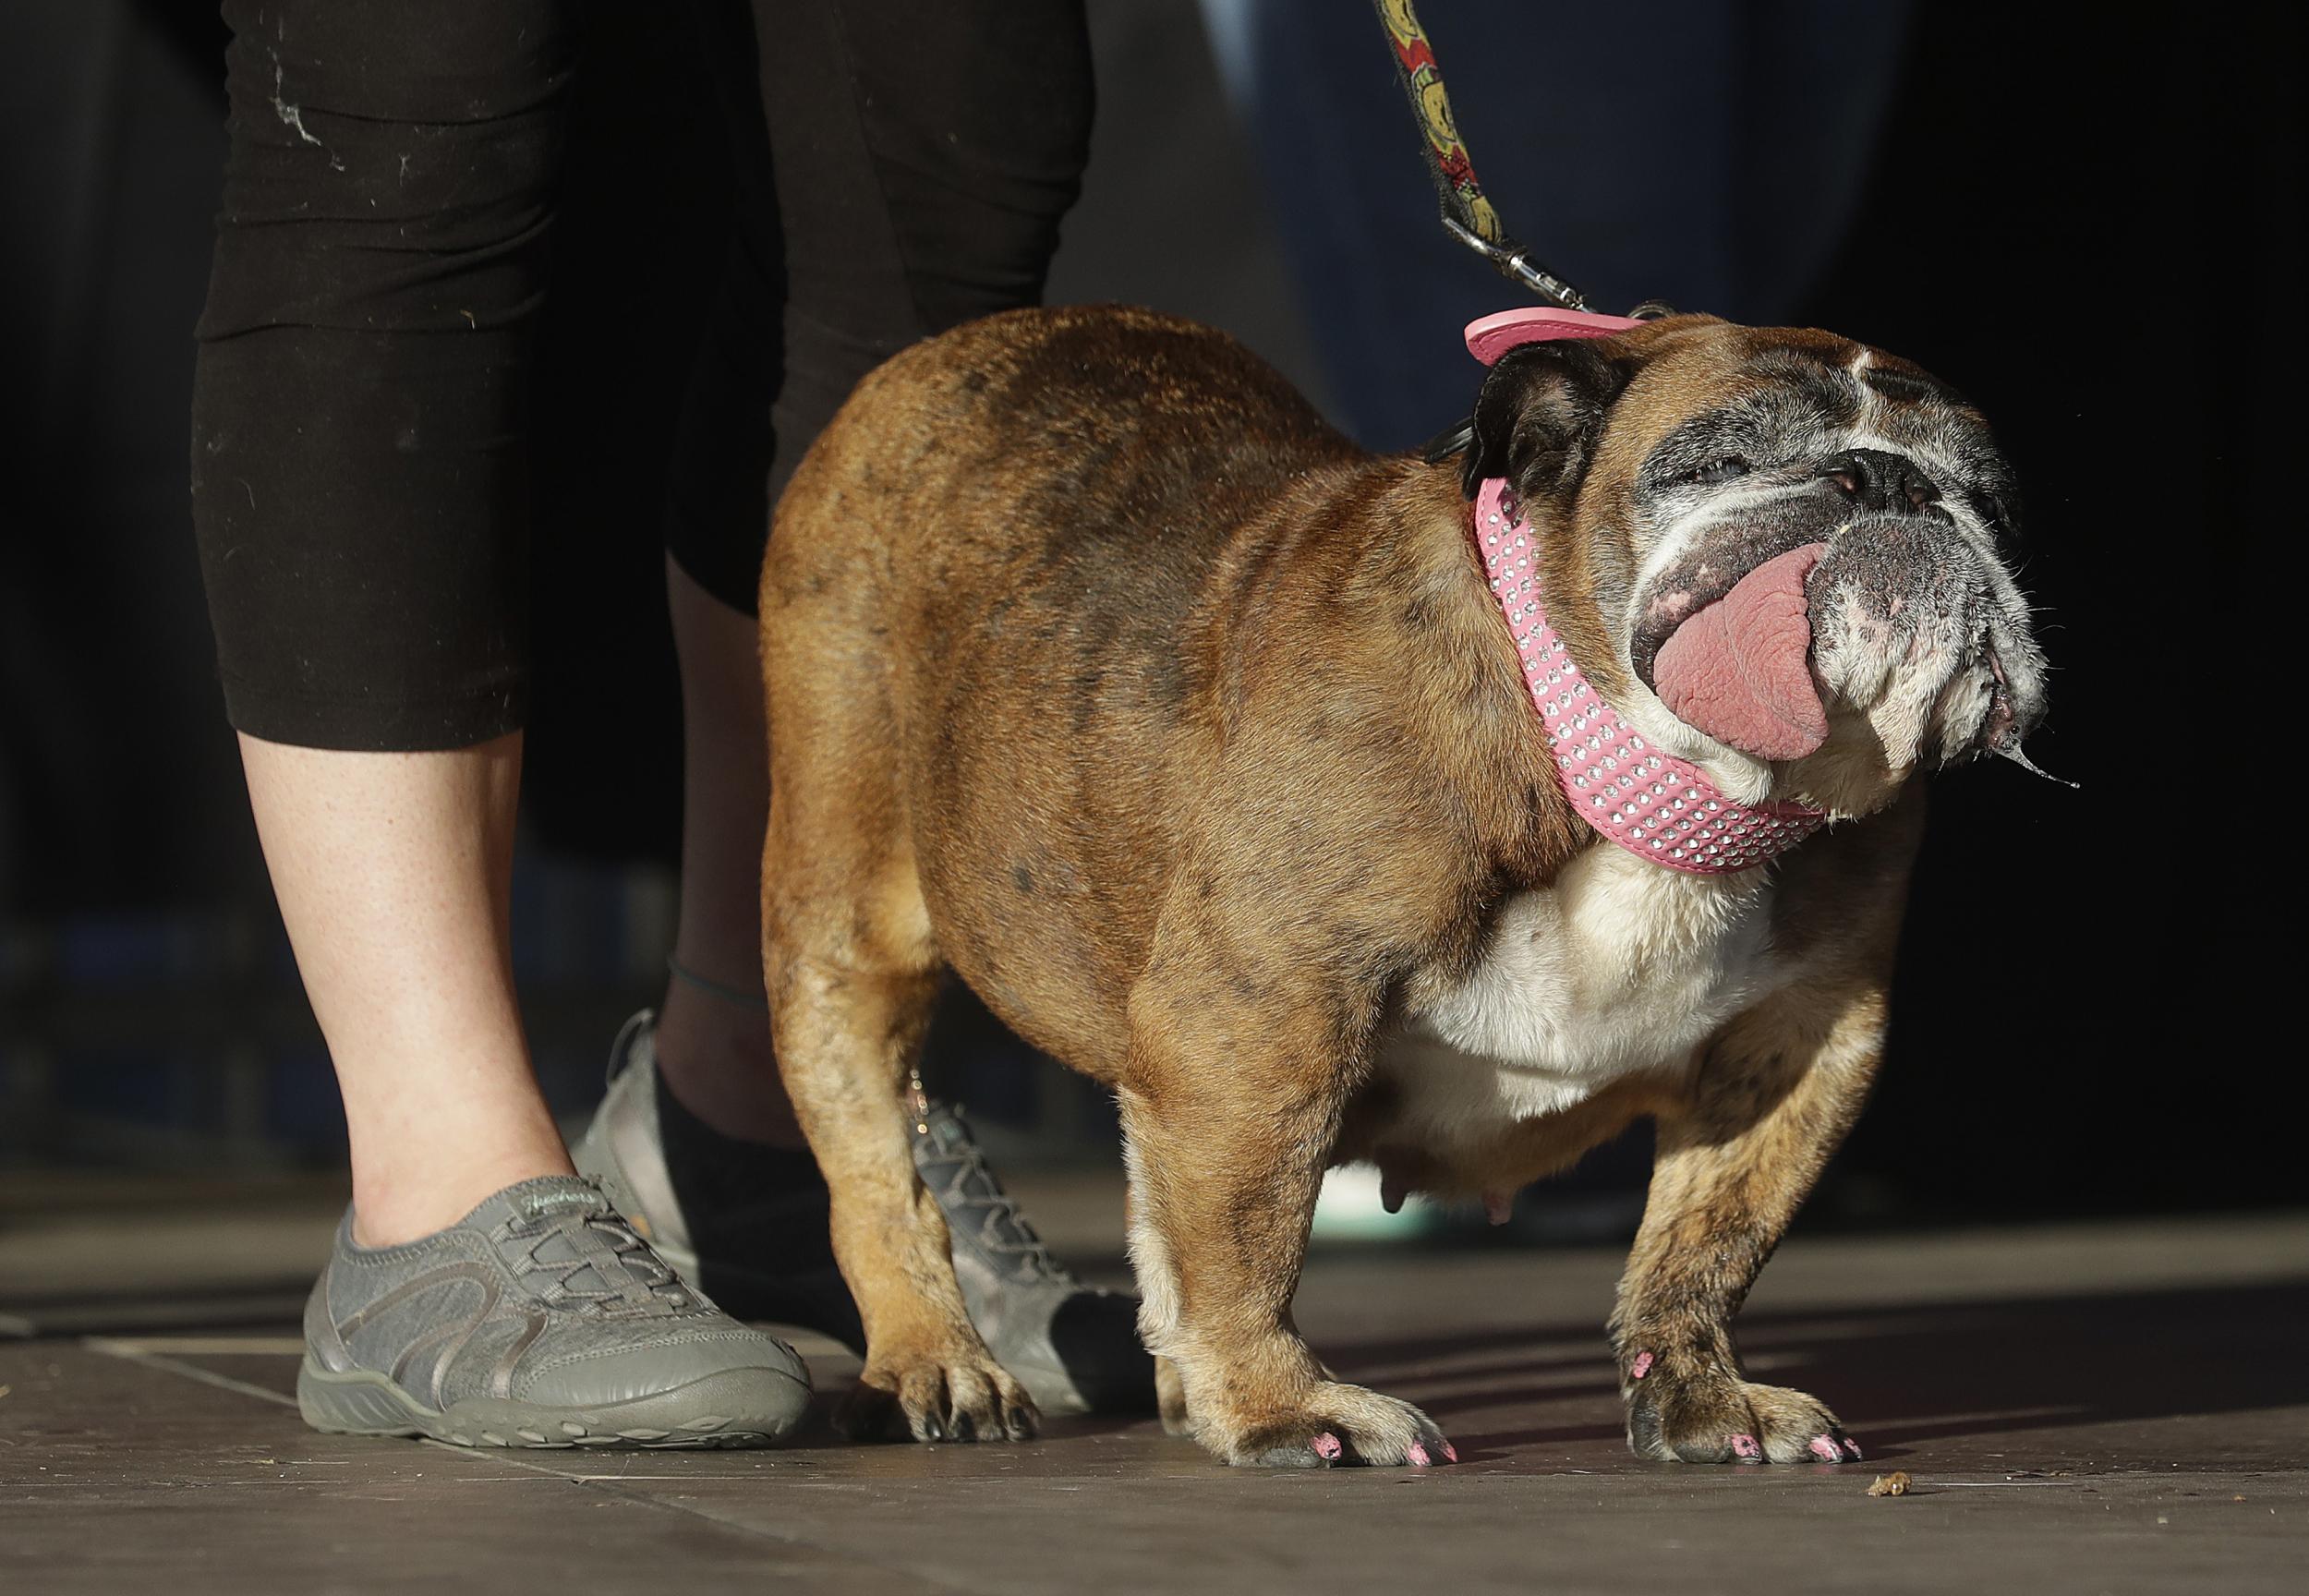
(1619, 966)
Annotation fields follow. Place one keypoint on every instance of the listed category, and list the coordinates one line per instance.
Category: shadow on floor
(1908, 1375)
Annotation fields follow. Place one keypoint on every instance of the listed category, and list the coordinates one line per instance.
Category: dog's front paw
(950, 1393)
(1712, 1418)
(1333, 1425)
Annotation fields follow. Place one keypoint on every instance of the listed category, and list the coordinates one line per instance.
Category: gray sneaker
(763, 1253)
(539, 1319)
(1075, 1349)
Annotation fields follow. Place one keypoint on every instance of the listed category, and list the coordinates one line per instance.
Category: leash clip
(1518, 267)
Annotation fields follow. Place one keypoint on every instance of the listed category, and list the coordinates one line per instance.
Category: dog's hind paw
(1714, 1418)
(1336, 1426)
(1170, 1399)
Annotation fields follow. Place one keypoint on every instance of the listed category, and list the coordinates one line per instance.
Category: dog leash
(1654, 805)
(1467, 216)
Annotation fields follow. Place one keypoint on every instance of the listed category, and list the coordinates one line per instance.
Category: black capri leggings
(360, 411)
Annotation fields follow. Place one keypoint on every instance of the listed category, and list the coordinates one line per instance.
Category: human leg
(901, 171)
(359, 475)
(713, 1031)
(393, 872)
(358, 496)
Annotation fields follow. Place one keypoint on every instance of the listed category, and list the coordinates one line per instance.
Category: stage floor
(2105, 1407)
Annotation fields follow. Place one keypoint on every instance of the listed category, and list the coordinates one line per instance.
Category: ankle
(403, 1202)
(714, 1057)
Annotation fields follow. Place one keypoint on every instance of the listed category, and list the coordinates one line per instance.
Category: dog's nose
(1879, 480)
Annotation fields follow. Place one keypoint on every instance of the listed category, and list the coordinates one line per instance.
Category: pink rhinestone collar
(1655, 805)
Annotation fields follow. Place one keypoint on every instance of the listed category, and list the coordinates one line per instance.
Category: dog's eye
(1715, 471)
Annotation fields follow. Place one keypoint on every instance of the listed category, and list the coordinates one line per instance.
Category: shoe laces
(627, 1278)
(954, 1169)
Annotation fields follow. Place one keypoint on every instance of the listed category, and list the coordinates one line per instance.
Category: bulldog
(1448, 814)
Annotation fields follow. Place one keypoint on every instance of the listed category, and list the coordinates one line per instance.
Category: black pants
(361, 409)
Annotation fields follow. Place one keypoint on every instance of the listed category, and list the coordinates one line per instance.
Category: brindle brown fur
(1102, 671)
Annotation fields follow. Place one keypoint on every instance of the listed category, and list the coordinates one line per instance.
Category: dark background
(2091, 225)
(2095, 230)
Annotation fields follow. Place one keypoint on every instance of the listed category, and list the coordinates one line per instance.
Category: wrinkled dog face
(1794, 547)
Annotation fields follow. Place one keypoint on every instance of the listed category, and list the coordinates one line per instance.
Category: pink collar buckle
(1654, 804)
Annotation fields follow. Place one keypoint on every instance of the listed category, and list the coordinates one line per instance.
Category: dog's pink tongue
(1739, 669)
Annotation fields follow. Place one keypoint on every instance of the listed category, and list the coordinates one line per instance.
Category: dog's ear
(1538, 416)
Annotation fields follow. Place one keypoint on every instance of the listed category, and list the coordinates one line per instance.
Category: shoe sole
(708, 1412)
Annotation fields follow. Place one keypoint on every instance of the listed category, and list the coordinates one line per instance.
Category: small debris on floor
(1896, 1483)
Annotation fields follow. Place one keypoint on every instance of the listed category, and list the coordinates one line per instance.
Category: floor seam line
(108, 1347)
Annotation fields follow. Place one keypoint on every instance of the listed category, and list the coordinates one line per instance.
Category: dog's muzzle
(1915, 629)
(1860, 593)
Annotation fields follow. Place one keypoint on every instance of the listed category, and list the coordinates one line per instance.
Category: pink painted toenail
(1450, 1452)
(1746, 1446)
(1327, 1445)
(1640, 1367)
(1825, 1448)
(1418, 1455)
